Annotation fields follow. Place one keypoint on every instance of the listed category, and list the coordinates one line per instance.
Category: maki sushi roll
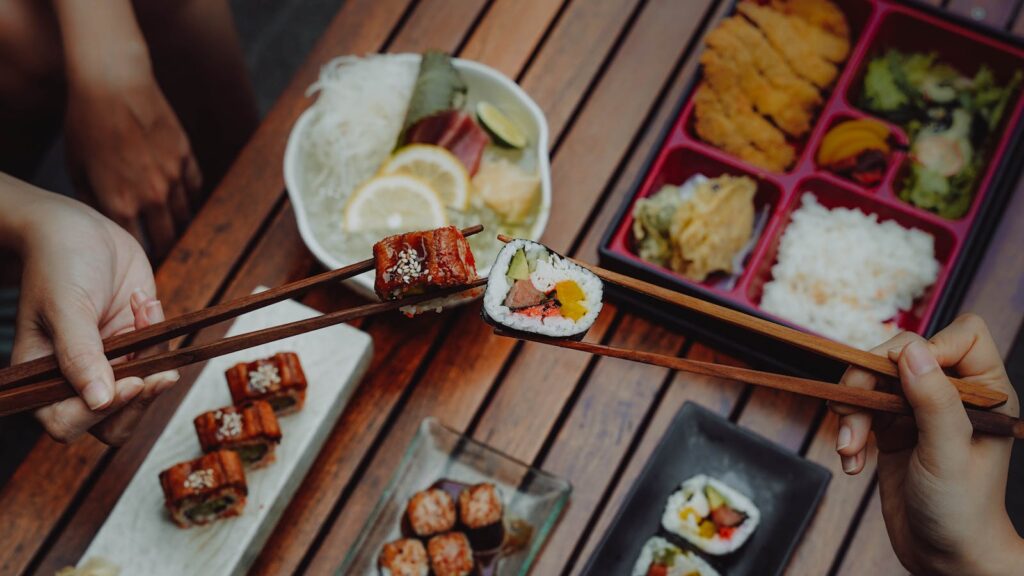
(711, 515)
(660, 557)
(451, 555)
(405, 557)
(430, 512)
(205, 489)
(279, 380)
(480, 511)
(251, 430)
(532, 289)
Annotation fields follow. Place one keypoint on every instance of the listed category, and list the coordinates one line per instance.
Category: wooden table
(607, 75)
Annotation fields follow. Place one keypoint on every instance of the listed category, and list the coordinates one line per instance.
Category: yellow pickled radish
(707, 529)
(686, 513)
(571, 297)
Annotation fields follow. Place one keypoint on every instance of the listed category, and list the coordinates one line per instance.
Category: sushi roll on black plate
(711, 515)
(451, 555)
(405, 557)
(430, 512)
(660, 557)
(532, 289)
(481, 512)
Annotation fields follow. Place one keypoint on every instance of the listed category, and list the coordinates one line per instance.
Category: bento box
(959, 233)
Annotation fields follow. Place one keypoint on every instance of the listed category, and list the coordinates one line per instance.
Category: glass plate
(437, 452)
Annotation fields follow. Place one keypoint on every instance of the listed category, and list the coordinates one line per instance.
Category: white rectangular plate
(139, 536)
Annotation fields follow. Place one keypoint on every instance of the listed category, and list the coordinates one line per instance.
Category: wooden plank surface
(607, 75)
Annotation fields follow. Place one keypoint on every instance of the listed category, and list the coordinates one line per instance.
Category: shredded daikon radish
(356, 122)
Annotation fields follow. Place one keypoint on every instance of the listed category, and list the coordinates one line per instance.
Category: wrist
(1003, 556)
(103, 48)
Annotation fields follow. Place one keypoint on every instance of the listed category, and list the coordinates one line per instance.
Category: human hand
(129, 154)
(84, 279)
(942, 488)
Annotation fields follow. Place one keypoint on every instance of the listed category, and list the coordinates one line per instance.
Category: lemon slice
(396, 202)
(438, 167)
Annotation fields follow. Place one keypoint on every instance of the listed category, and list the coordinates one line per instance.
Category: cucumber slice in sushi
(658, 552)
(502, 129)
(532, 289)
(711, 515)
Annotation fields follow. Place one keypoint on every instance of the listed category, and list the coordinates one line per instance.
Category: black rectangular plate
(784, 486)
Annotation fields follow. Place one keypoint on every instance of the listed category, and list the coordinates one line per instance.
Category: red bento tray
(876, 25)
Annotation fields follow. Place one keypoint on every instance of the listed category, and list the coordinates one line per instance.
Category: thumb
(944, 431)
(79, 350)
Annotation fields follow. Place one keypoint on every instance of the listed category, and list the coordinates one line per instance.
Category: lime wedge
(502, 129)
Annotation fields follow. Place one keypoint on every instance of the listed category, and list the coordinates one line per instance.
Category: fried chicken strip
(789, 36)
(728, 63)
(728, 121)
(736, 35)
(818, 13)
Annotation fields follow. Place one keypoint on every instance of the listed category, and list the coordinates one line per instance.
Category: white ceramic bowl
(485, 83)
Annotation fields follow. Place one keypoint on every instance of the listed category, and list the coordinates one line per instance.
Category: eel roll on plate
(202, 490)
(711, 515)
(660, 557)
(481, 511)
(405, 557)
(251, 430)
(532, 289)
(430, 512)
(420, 262)
(279, 380)
(451, 555)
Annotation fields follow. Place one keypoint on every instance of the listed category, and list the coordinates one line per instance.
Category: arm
(127, 149)
(84, 279)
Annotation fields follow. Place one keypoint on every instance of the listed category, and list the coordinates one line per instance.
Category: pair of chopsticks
(39, 382)
(971, 393)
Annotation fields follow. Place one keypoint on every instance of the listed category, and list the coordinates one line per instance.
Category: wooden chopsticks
(971, 393)
(987, 422)
(40, 393)
(117, 346)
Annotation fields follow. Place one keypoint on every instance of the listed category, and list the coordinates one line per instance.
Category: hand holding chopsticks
(39, 382)
(987, 422)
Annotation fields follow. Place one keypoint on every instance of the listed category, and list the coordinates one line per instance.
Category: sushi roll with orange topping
(430, 512)
(480, 512)
(533, 289)
(279, 380)
(251, 430)
(405, 557)
(451, 555)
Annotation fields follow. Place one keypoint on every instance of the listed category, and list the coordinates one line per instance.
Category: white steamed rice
(498, 288)
(845, 275)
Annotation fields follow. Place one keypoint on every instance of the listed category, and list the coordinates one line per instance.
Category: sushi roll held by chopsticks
(533, 289)
(711, 515)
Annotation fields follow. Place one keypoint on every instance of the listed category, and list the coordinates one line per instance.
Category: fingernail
(894, 353)
(139, 296)
(97, 395)
(843, 440)
(919, 358)
(155, 311)
(849, 464)
(130, 387)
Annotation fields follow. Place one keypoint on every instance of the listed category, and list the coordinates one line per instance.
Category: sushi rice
(679, 562)
(692, 496)
(547, 270)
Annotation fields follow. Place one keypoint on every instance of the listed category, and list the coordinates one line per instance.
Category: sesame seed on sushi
(251, 430)
(659, 557)
(711, 515)
(480, 512)
(430, 512)
(405, 557)
(533, 289)
(451, 555)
